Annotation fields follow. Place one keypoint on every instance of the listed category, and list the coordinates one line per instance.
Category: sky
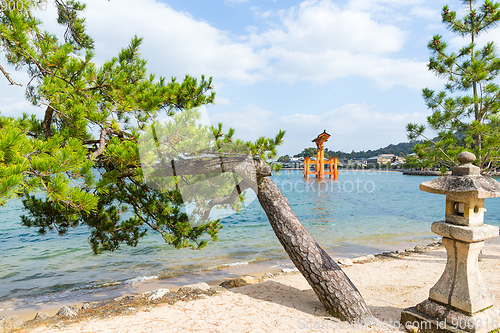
(355, 68)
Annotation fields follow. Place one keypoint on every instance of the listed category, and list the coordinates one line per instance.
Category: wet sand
(288, 304)
(212, 277)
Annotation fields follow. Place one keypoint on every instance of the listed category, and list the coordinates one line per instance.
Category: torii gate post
(320, 160)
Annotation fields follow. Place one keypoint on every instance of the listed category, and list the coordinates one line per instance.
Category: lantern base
(430, 316)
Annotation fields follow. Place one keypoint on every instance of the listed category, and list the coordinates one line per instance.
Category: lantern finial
(466, 157)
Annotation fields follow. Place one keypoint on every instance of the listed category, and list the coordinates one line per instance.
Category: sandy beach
(286, 303)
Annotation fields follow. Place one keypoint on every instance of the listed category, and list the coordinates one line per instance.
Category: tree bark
(47, 123)
(332, 286)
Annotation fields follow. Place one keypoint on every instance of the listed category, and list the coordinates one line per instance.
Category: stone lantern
(460, 301)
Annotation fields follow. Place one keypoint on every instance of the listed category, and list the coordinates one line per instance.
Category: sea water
(364, 212)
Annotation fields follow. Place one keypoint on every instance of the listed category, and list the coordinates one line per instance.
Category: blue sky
(355, 68)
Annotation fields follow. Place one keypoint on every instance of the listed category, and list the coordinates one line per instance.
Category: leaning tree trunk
(332, 286)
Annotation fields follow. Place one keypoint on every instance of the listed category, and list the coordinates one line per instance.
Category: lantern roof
(465, 179)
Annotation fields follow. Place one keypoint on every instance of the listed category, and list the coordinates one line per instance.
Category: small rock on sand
(67, 312)
(242, 281)
(96, 305)
(41, 316)
(419, 248)
(191, 287)
(155, 294)
(346, 262)
(11, 322)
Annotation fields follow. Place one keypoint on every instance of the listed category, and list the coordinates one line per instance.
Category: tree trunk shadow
(304, 300)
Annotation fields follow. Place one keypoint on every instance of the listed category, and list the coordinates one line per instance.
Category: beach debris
(419, 248)
(190, 287)
(67, 312)
(359, 260)
(217, 290)
(268, 275)
(96, 305)
(289, 270)
(239, 282)
(11, 322)
(433, 246)
(41, 316)
(409, 250)
(155, 294)
(346, 262)
(130, 310)
(125, 298)
(363, 259)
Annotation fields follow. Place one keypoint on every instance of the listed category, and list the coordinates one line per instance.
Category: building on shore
(357, 163)
(381, 159)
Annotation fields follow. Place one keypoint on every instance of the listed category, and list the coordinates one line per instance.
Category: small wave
(237, 264)
(233, 264)
(76, 291)
(140, 279)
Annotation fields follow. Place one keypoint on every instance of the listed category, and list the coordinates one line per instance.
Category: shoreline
(212, 277)
(282, 303)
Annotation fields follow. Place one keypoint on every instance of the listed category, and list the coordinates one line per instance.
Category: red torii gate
(320, 160)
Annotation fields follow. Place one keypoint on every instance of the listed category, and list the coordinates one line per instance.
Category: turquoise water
(361, 213)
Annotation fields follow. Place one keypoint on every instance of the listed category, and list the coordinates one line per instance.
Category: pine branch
(7, 76)
(102, 144)
(47, 122)
(238, 189)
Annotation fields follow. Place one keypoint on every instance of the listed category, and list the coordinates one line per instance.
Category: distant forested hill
(401, 149)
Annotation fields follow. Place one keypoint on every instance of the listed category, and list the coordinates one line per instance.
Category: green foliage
(66, 176)
(285, 158)
(402, 148)
(413, 162)
(465, 113)
(307, 152)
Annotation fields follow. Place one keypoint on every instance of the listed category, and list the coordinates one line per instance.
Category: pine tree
(465, 112)
(93, 181)
(87, 180)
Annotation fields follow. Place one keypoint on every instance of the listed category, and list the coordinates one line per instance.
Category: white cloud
(250, 122)
(492, 35)
(386, 10)
(316, 41)
(12, 97)
(352, 126)
(318, 26)
(175, 43)
(15, 109)
(329, 65)
(319, 41)
(426, 13)
(222, 101)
